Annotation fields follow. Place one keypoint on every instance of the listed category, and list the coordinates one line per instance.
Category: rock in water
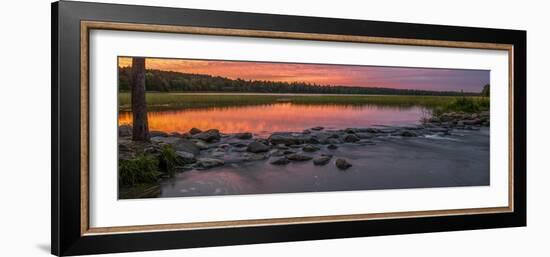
(207, 163)
(407, 133)
(155, 133)
(280, 161)
(322, 160)
(245, 135)
(210, 135)
(195, 131)
(332, 147)
(351, 138)
(124, 131)
(299, 157)
(310, 148)
(257, 147)
(287, 139)
(317, 128)
(342, 164)
(185, 157)
(186, 146)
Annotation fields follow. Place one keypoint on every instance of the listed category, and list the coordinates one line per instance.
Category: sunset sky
(323, 74)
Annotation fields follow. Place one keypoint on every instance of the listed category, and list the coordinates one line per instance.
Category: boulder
(322, 160)
(363, 135)
(350, 138)
(280, 161)
(350, 130)
(342, 164)
(201, 145)
(195, 131)
(255, 156)
(332, 147)
(209, 136)
(186, 157)
(299, 157)
(257, 147)
(287, 139)
(124, 131)
(156, 133)
(245, 135)
(407, 133)
(207, 163)
(310, 148)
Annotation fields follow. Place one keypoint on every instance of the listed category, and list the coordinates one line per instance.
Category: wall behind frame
(25, 127)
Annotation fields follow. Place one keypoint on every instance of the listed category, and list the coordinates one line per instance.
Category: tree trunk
(140, 130)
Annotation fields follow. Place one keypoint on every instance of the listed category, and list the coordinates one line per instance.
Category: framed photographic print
(177, 128)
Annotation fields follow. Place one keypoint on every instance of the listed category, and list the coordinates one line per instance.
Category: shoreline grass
(170, 101)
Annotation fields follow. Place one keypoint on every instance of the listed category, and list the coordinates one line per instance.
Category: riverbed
(390, 162)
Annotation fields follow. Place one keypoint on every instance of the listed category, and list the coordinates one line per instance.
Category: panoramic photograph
(192, 127)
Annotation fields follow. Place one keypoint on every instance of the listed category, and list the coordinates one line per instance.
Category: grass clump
(464, 104)
(168, 160)
(141, 169)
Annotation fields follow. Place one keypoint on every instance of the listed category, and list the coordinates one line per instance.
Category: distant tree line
(170, 81)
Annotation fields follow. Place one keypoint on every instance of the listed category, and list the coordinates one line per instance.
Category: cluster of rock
(460, 120)
(200, 150)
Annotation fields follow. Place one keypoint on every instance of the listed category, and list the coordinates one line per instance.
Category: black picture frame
(66, 234)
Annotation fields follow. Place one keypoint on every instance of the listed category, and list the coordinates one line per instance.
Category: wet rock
(342, 164)
(363, 135)
(280, 161)
(195, 131)
(165, 140)
(179, 144)
(306, 131)
(209, 136)
(255, 156)
(372, 130)
(186, 157)
(207, 163)
(245, 135)
(318, 128)
(124, 131)
(322, 160)
(155, 133)
(299, 157)
(472, 122)
(407, 133)
(333, 141)
(350, 138)
(310, 148)
(286, 152)
(281, 147)
(277, 153)
(287, 138)
(350, 130)
(438, 129)
(257, 147)
(332, 147)
(201, 145)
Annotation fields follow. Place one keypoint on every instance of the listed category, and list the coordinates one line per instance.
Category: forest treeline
(170, 81)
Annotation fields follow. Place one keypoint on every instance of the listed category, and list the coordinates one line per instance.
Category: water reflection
(266, 119)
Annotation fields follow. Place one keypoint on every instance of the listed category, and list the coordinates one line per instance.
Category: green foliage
(176, 101)
(464, 104)
(170, 81)
(141, 169)
(486, 91)
(168, 160)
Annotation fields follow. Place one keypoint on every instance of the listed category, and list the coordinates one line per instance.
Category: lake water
(266, 119)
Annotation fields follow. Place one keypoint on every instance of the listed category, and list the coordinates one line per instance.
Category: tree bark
(140, 131)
